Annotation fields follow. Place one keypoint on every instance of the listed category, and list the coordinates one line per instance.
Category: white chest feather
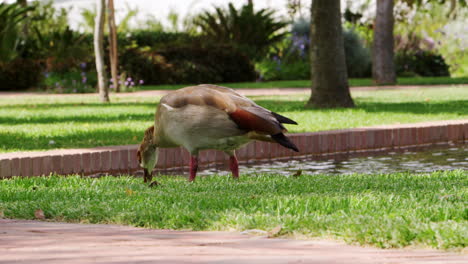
(201, 127)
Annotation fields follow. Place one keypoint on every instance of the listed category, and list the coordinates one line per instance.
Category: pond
(426, 159)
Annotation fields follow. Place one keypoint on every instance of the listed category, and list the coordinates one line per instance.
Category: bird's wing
(243, 111)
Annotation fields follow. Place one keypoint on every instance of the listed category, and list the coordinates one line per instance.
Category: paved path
(246, 91)
(23, 241)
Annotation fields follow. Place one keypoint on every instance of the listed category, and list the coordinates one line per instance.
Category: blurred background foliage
(222, 44)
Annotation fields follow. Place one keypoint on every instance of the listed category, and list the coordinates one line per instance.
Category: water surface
(426, 159)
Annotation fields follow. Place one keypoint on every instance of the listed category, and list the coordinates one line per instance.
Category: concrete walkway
(245, 91)
(23, 241)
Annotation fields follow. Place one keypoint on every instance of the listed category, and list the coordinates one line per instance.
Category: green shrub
(209, 64)
(70, 82)
(188, 64)
(294, 64)
(64, 50)
(420, 63)
(275, 70)
(358, 58)
(301, 27)
(148, 66)
(154, 38)
(19, 74)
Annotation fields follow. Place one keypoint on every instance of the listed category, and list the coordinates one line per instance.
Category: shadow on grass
(459, 107)
(98, 105)
(76, 119)
(82, 139)
(71, 113)
(307, 83)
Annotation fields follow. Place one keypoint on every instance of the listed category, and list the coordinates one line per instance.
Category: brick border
(122, 159)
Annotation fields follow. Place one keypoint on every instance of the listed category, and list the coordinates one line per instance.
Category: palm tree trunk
(113, 54)
(383, 68)
(99, 50)
(330, 86)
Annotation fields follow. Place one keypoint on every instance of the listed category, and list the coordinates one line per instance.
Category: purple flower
(111, 86)
(141, 82)
(111, 80)
(84, 80)
(129, 79)
(126, 83)
(83, 73)
(132, 84)
(83, 65)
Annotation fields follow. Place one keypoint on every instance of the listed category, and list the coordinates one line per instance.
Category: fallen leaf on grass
(254, 232)
(129, 192)
(275, 231)
(39, 214)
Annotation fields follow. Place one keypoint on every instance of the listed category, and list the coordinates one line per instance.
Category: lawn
(393, 210)
(307, 83)
(30, 123)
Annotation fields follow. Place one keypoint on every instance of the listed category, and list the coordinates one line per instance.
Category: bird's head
(147, 153)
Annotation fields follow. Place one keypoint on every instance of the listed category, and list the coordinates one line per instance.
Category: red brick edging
(122, 159)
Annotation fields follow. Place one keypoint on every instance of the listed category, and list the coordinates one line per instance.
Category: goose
(209, 117)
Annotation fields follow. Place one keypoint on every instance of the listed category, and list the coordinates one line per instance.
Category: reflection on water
(447, 157)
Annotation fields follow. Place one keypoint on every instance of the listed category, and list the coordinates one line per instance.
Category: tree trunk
(99, 50)
(383, 67)
(328, 66)
(113, 54)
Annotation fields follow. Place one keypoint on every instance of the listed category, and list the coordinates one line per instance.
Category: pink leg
(234, 166)
(193, 167)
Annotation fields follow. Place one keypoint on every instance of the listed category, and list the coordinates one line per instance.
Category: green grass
(307, 83)
(30, 123)
(393, 210)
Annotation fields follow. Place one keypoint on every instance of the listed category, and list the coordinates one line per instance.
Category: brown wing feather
(199, 95)
(251, 122)
(243, 111)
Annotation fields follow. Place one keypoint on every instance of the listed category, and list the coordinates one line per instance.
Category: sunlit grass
(307, 83)
(48, 122)
(391, 210)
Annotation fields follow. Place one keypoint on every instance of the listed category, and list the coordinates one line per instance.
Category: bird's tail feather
(284, 141)
(283, 119)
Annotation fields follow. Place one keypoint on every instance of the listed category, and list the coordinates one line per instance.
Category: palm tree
(383, 67)
(253, 32)
(99, 50)
(113, 55)
(330, 86)
(11, 15)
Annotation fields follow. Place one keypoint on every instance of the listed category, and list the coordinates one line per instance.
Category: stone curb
(122, 159)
